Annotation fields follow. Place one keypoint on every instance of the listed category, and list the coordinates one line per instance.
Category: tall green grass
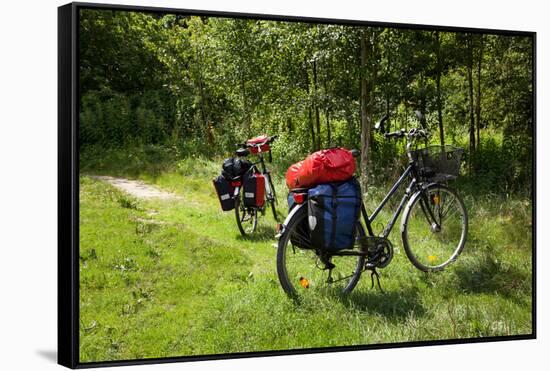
(163, 278)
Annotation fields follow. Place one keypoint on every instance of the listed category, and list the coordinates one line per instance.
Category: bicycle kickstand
(373, 274)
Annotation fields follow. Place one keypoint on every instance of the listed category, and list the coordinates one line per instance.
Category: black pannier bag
(235, 167)
(254, 189)
(333, 212)
(224, 189)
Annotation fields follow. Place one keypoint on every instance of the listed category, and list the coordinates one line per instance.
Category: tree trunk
(351, 125)
(311, 129)
(423, 101)
(242, 77)
(246, 114)
(204, 114)
(478, 93)
(289, 125)
(317, 117)
(327, 111)
(309, 108)
(329, 139)
(366, 115)
(438, 88)
(469, 68)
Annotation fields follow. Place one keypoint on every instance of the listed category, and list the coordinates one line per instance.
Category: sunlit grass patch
(162, 278)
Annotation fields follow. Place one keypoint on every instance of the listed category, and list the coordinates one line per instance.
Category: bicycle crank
(380, 252)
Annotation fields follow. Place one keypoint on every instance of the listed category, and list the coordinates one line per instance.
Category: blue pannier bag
(333, 212)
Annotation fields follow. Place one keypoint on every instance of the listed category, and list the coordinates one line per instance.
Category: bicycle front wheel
(304, 270)
(434, 228)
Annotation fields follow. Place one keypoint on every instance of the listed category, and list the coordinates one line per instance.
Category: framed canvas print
(236, 185)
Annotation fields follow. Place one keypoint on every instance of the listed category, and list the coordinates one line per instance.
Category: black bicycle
(247, 215)
(434, 225)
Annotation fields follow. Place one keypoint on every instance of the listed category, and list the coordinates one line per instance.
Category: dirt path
(138, 189)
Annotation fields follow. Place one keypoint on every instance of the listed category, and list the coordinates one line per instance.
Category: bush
(499, 166)
(128, 161)
(115, 120)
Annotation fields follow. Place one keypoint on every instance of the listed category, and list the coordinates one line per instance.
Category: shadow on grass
(489, 275)
(393, 304)
(262, 233)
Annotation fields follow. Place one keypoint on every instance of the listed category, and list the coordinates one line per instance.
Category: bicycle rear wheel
(433, 240)
(302, 269)
(247, 218)
(271, 196)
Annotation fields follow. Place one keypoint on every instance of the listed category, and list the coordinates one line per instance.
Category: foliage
(164, 98)
(203, 84)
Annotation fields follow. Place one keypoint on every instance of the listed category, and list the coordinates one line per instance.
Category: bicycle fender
(290, 216)
(411, 201)
(406, 210)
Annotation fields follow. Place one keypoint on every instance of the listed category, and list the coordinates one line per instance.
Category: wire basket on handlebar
(438, 163)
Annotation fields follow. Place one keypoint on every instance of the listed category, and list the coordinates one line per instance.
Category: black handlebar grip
(394, 134)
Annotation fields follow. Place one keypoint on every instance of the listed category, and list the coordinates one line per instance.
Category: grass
(164, 278)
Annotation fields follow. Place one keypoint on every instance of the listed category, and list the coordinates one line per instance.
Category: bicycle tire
(240, 215)
(272, 198)
(282, 261)
(412, 232)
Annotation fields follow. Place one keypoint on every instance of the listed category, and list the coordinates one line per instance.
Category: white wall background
(28, 181)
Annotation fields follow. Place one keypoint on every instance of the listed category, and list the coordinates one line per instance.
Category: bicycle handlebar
(395, 134)
(413, 133)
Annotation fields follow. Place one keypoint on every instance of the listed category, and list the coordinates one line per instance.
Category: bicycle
(247, 216)
(434, 225)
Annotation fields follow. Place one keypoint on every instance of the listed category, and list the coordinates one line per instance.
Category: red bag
(258, 141)
(254, 190)
(292, 174)
(325, 166)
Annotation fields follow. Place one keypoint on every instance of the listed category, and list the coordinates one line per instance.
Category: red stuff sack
(325, 166)
(292, 175)
(254, 142)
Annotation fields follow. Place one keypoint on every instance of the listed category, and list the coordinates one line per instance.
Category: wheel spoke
(304, 271)
(433, 247)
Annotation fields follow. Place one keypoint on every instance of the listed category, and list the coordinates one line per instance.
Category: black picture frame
(68, 184)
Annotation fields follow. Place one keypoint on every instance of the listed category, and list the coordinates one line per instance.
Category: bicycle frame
(413, 186)
(411, 172)
(409, 191)
(265, 172)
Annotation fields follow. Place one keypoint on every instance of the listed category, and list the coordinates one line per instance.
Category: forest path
(137, 188)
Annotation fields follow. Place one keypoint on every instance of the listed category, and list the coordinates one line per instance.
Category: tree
(366, 79)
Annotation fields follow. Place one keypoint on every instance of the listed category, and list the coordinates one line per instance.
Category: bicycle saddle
(242, 152)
